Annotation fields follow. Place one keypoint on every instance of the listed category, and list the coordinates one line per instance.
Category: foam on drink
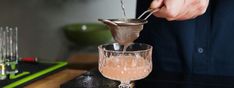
(126, 68)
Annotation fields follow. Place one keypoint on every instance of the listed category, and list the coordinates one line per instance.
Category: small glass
(125, 63)
(9, 49)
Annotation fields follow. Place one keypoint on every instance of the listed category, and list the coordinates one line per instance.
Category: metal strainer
(125, 31)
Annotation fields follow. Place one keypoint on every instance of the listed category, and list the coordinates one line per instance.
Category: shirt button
(200, 50)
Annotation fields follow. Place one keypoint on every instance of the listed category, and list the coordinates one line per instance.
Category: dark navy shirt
(204, 45)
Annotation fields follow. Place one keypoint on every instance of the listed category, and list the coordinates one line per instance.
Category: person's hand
(179, 9)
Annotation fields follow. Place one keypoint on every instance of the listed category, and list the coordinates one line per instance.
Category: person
(190, 36)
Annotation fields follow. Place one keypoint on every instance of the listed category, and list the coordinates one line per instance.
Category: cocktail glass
(116, 63)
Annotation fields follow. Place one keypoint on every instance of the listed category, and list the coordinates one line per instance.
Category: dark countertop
(93, 79)
(178, 80)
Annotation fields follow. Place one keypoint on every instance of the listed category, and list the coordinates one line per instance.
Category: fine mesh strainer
(125, 31)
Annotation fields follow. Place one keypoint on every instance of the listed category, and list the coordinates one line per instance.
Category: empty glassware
(8, 51)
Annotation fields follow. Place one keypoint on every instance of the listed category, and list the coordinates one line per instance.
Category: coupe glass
(116, 63)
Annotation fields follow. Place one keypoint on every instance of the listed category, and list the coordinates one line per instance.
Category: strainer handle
(149, 10)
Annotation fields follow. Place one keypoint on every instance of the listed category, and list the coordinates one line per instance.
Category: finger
(170, 9)
(155, 4)
(162, 13)
(182, 13)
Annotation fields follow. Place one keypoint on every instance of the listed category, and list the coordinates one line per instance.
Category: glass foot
(125, 85)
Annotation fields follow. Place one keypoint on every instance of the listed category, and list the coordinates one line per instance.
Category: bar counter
(82, 76)
(93, 79)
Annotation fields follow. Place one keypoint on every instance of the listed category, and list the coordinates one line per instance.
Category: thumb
(155, 4)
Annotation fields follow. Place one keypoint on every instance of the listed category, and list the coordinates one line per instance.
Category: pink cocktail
(131, 64)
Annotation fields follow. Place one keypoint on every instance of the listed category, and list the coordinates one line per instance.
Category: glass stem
(125, 84)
